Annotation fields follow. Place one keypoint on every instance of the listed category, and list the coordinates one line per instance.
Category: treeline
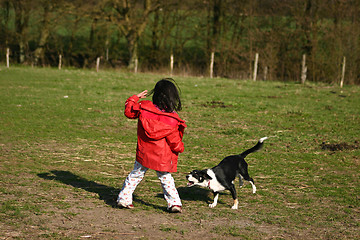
(146, 33)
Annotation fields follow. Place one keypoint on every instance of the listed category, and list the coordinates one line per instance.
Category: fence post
(136, 65)
(212, 64)
(303, 69)
(97, 64)
(171, 64)
(265, 73)
(60, 61)
(7, 57)
(256, 66)
(343, 73)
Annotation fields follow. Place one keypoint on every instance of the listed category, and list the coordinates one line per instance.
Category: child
(160, 131)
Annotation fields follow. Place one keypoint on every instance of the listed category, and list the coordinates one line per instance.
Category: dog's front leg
(233, 193)
(216, 196)
(236, 204)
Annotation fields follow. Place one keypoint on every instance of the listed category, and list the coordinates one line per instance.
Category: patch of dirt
(71, 207)
(63, 204)
(216, 104)
(339, 146)
(89, 218)
(274, 97)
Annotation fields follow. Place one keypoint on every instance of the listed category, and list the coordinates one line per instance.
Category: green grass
(64, 141)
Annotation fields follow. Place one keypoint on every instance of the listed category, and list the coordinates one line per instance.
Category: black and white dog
(222, 176)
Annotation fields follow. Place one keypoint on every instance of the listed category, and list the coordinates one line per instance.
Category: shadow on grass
(195, 194)
(201, 195)
(106, 193)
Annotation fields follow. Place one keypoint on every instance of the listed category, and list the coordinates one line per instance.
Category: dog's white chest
(214, 183)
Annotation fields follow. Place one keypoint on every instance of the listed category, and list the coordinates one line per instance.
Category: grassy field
(66, 147)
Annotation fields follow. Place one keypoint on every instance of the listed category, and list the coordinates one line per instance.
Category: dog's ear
(205, 175)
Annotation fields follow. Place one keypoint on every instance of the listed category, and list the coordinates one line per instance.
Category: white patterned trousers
(171, 195)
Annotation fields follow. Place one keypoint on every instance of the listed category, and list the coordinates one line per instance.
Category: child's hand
(142, 94)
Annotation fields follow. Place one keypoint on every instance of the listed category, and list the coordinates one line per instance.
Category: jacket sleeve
(174, 140)
(132, 107)
(182, 129)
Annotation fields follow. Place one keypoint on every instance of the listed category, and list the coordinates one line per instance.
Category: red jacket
(159, 135)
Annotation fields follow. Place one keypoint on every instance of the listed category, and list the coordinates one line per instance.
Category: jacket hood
(158, 124)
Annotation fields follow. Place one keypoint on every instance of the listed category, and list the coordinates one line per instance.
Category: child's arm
(132, 106)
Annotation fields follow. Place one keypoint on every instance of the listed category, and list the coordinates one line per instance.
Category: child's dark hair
(166, 95)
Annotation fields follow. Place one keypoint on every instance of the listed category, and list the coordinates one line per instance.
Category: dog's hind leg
(216, 196)
(248, 178)
(243, 171)
(253, 186)
(241, 182)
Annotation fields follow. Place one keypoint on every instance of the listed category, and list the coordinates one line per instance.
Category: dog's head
(200, 178)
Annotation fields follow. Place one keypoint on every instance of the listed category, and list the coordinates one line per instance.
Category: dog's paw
(212, 205)
(234, 207)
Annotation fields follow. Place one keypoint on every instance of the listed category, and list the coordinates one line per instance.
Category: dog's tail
(255, 148)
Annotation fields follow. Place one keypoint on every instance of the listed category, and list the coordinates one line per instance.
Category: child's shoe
(175, 209)
(122, 205)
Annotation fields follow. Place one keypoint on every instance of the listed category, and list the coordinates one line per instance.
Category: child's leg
(134, 178)
(171, 195)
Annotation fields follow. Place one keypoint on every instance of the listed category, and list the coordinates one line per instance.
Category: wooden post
(136, 65)
(265, 73)
(212, 64)
(97, 64)
(343, 73)
(107, 46)
(256, 66)
(171, 64)
(60, 61)
(7, 57)
(303, 69)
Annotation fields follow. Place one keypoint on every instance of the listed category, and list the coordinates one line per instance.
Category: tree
(131, 18)
(214, 27)
(39, 54)
(4, 23)
(22, 10)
